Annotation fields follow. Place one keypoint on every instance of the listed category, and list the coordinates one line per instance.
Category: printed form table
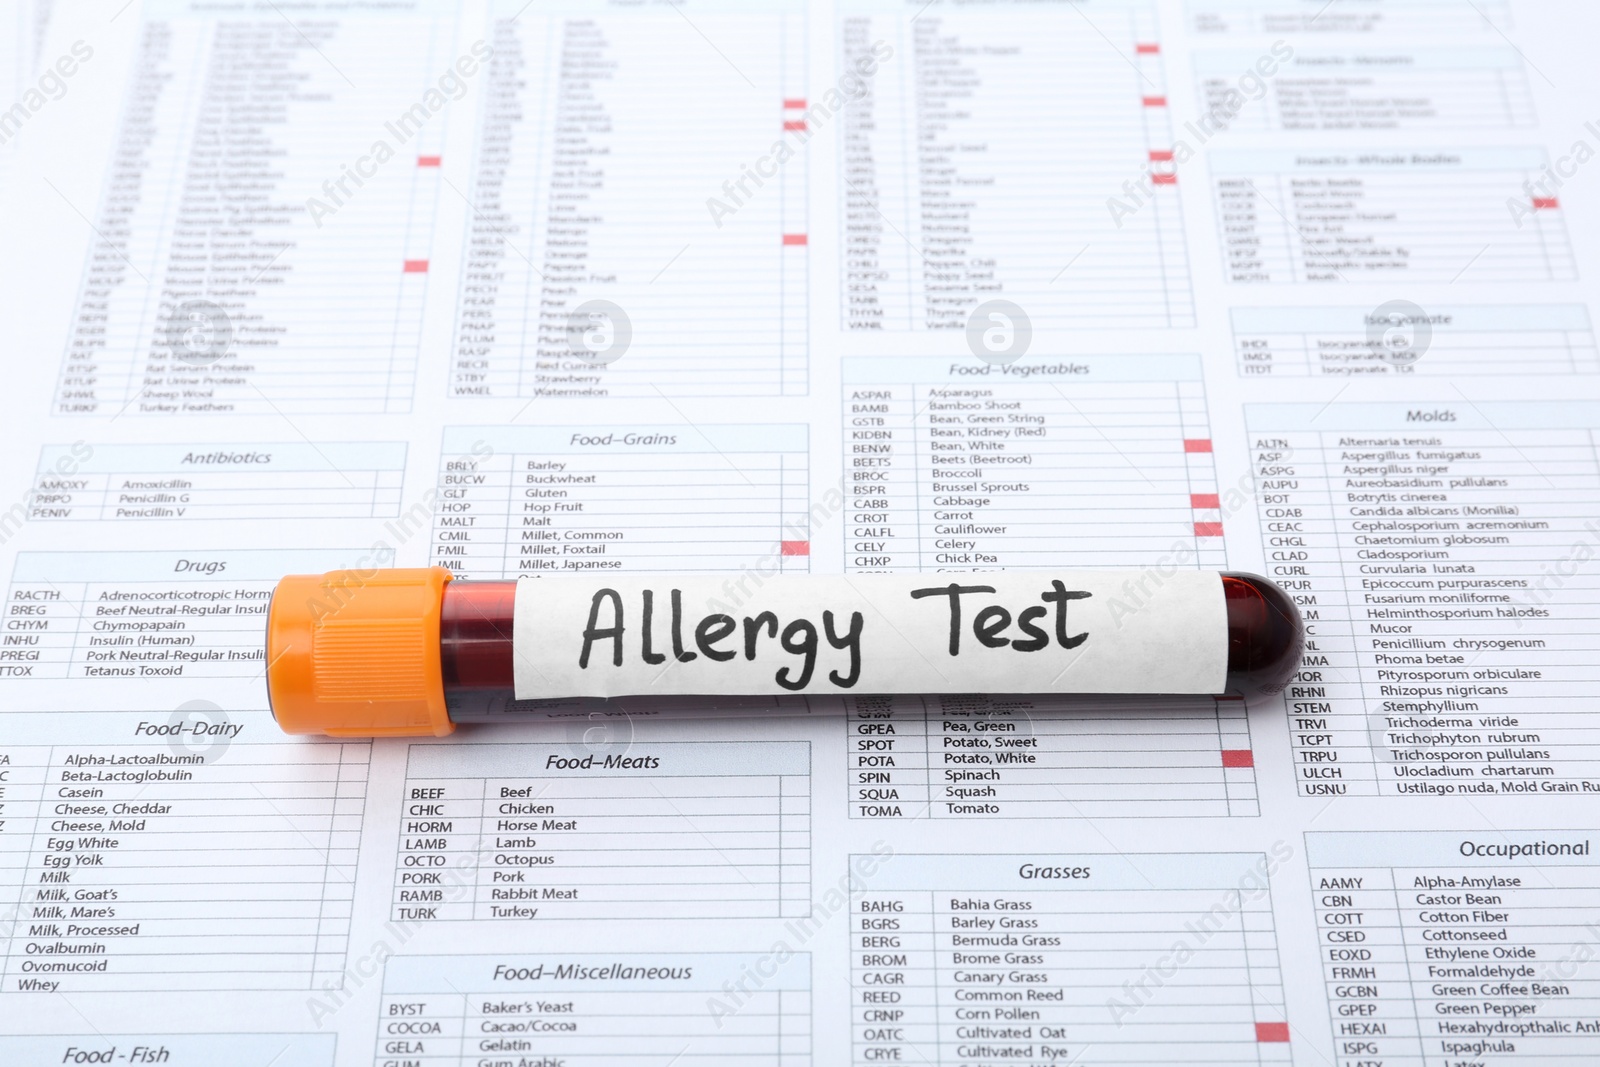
(1091, 960)
(1395, 88)
(1030, 757)
(210, 288)
(1321, 216)
(1442, 949)
(600, 1010)
(525, 500)
(649, 831)
(1434, 550)
(173, 1050)
(954, 464)
(1381, 18)
(160, 861)
(142, 615)
(595, 178)
(1395, 340)
(952, 188)
(267, 480)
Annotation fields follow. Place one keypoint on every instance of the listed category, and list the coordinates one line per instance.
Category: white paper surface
(1303, 289)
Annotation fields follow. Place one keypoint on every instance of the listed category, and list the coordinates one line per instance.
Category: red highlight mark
(1208, 529)
(1163, 179)
(429, 161)
(1147, 49)
(794, 125)
(1545, 203)
(1205, 500)
(1274, 1032)
(794, 238)
(1155, 101)
(1160, 155)
(1197, 444)
(1243, 757)
(794, 548)
(794, 103)
(416, 266)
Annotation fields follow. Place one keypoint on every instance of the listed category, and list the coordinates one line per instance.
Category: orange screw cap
(356, 653)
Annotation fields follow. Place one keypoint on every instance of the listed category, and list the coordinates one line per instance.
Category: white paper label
(1010, 632)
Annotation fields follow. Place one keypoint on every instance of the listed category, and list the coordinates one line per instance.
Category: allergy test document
(757, 290)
